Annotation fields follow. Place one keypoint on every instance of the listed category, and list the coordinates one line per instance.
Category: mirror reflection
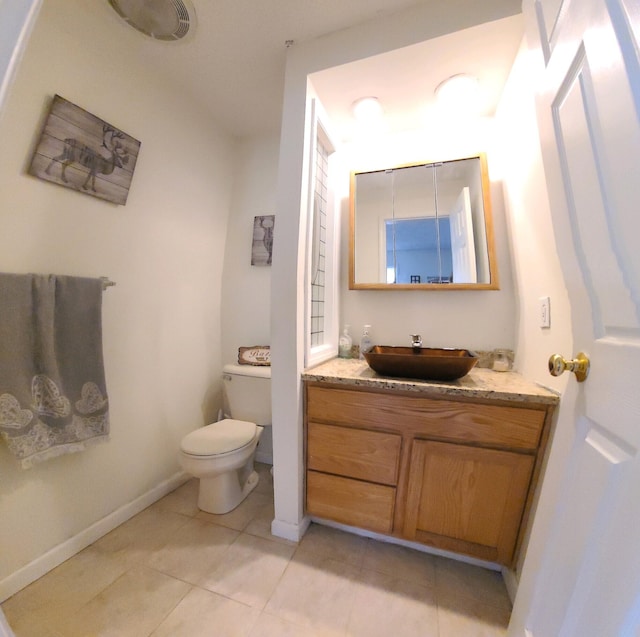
(422, 226)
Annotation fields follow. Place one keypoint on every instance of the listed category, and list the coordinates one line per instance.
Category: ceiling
(233, 62)
(404, 80)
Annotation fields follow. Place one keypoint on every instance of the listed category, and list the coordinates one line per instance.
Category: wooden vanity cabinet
(452, 474)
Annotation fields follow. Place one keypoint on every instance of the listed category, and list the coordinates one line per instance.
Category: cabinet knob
(579, 366)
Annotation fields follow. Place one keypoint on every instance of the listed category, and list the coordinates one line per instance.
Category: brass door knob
(579, 366)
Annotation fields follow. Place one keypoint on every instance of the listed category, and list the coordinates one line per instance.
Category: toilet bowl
(221, 456)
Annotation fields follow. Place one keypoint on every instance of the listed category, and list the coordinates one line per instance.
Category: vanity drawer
(498, 425)
(354, 453)
(352, 502)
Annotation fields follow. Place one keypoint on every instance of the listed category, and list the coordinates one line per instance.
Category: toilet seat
(219, 438)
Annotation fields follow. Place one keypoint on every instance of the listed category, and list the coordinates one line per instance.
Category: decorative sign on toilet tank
(81, 151)
(256, 355)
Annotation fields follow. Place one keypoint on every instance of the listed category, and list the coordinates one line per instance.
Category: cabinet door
(467, 499)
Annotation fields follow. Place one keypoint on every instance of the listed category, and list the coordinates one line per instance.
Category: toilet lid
(220, 437)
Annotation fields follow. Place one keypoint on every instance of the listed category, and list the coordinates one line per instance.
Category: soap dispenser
(365, 342)
(344, 343)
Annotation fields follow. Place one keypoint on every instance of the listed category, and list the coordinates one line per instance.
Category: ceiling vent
(166, 20)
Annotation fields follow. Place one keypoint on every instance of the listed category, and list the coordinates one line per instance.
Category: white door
(588, 581)
(463, 250)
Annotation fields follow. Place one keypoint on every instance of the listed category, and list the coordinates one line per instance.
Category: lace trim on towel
(60, 450)
(47, 399)
(42, 441)
(11, 414)
(92, 399)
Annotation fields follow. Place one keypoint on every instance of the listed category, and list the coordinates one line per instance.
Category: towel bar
(106, 282)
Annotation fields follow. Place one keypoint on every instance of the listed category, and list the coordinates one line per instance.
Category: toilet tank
(247, 391)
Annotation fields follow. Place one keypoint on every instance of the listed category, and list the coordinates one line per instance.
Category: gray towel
(53, 395)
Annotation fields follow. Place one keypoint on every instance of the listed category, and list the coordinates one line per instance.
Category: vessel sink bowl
(426, 363)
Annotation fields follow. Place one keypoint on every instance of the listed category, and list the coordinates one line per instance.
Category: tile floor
(173, 570)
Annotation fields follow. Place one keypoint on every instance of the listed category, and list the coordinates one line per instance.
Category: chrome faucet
(416, 341)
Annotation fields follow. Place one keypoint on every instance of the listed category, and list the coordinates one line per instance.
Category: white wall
(535, 260)
(161, 323)
(246, 289)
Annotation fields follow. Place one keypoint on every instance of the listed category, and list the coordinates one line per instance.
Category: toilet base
(223, 493)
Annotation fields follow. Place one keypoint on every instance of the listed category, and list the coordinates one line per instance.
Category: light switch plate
(544, 307)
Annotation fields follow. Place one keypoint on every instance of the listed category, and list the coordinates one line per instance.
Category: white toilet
(221, 454)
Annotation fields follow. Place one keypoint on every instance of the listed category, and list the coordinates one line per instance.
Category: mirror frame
(488, 221)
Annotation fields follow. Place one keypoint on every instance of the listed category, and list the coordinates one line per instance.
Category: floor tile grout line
(275, 587)
(482, 602)
(200, 586)
(470, 597)
(428, 586)
(286, 620)
(261, 537)
(191, 587)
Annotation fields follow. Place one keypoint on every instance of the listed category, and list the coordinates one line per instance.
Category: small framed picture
(262, 247)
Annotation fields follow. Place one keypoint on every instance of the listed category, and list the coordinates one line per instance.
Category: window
(319, 245)
(322, 333)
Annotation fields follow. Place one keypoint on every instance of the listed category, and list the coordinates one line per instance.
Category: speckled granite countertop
(479, 383)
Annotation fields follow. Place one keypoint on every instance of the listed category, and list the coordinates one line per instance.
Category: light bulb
(460, 93)
(367, 110)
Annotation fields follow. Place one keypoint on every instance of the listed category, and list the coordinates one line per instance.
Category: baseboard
(511, 582)
(423, 548)
(11, 584)
(288, 531)
(5, 629)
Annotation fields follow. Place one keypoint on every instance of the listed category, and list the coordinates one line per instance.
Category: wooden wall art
(83, 152)
(262, 246)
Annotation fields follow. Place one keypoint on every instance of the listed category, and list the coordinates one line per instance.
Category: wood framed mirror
(424, 226)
